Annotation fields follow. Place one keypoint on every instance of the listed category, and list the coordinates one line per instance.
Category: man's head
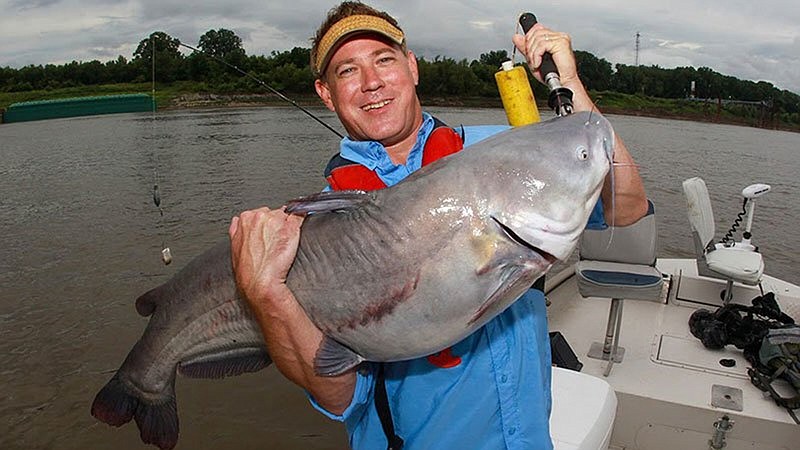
(366, 74)
(345, 21)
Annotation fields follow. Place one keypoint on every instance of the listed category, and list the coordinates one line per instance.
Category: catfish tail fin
(117, 403)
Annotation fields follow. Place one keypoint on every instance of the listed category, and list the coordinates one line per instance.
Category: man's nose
(371, 79)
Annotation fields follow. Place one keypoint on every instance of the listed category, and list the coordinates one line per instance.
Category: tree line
(442, 77)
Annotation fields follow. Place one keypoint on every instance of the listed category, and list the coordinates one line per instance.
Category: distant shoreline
(179, 98)
(207, 100)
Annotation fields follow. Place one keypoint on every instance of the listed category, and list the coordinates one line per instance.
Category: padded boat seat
(733, 264)
(619, 263)
(744, 266)
(618, 280)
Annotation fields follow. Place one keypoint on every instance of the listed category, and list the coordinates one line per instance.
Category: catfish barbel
(386, 275)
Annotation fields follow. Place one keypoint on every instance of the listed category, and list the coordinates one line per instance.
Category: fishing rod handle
(548, 67)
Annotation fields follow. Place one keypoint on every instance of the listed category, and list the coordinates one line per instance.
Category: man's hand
(263, 246)
(540, 40)
(628, 192)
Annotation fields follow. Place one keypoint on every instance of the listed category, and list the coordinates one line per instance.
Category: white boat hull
(665, 385)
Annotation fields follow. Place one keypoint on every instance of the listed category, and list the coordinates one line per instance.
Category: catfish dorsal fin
(147, 302)
(328, 202)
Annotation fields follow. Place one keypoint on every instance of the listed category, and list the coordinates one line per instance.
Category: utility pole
(637, 49)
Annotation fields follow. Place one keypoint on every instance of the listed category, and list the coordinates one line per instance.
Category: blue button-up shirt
(498, 397)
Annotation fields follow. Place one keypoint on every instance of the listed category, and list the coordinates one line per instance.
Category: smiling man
(491, 390)
(370, 82)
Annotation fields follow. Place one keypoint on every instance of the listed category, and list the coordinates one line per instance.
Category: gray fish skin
(388, 275)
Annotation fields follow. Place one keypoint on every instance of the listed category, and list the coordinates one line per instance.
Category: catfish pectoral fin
(333, 358)
(515, 279)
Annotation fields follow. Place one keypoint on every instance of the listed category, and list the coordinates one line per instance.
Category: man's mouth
(376, 105)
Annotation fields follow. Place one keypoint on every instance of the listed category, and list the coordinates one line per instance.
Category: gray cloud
(747, 40)
(21, 5)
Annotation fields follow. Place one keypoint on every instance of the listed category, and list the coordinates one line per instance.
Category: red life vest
(343, 174)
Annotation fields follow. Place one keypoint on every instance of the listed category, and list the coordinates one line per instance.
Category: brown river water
(82, 238)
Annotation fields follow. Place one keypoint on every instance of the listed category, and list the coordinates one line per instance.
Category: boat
(654, 385)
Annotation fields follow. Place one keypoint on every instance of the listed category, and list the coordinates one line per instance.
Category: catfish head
(547, 180)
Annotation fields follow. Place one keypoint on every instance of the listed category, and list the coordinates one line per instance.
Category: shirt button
(503, 379)
(511, 431)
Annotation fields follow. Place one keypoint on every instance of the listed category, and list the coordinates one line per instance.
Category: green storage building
(78, 106)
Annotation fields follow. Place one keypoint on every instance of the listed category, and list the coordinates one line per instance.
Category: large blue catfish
(388, 275)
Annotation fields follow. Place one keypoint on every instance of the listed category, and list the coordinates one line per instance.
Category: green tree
(221, 49)
(221, 43)
(299, 57)
(594, 72)
(494, 58)
(168, 58)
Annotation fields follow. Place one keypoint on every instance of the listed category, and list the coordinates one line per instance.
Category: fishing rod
(560, 99)
(262, 83)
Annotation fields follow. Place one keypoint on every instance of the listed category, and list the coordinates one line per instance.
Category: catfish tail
(117, 403)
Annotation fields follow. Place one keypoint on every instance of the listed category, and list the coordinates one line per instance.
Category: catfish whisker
(616, 164)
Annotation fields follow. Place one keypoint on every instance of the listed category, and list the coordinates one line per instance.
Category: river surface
(82, 239)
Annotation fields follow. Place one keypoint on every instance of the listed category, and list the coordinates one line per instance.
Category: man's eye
(346, 71)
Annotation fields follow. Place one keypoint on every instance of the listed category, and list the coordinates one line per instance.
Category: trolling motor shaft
(560, 99)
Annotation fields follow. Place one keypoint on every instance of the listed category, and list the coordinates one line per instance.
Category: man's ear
(413, 67)
(324, 93)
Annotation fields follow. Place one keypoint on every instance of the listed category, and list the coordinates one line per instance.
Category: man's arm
(630, 201)
(263, 246)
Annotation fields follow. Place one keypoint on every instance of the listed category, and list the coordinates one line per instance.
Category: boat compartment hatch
(706, 291)
(690, 354)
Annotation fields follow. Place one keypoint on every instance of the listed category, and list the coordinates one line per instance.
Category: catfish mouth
(516, 238)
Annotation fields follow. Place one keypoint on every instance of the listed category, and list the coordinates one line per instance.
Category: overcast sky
(752, 40)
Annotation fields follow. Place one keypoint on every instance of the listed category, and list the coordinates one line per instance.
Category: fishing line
(166, 254)
(610, 157)
(262, 83)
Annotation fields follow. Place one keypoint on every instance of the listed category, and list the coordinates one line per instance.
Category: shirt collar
(373, 155)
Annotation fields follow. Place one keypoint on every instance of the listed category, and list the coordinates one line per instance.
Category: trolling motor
(750, 194)
(560, 99)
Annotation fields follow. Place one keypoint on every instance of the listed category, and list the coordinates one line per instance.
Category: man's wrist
(580, 97)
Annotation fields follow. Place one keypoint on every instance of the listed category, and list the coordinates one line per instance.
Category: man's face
(371, 86)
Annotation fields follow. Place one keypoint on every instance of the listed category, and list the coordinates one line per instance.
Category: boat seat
(583, 412)
(619, 263)
(733, 264)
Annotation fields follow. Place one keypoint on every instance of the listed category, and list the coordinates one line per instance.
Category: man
(492, 390)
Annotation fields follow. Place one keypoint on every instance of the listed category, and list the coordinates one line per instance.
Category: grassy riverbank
(183, 95)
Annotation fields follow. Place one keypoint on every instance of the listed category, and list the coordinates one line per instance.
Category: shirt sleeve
(362, 396)
(477, 133)
(597, 219)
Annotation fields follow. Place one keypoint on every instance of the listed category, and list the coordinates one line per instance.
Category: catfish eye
(581, 153)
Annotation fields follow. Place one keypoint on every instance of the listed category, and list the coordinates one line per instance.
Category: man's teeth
(376, 105)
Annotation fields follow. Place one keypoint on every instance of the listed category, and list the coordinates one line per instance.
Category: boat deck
(670, 388)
